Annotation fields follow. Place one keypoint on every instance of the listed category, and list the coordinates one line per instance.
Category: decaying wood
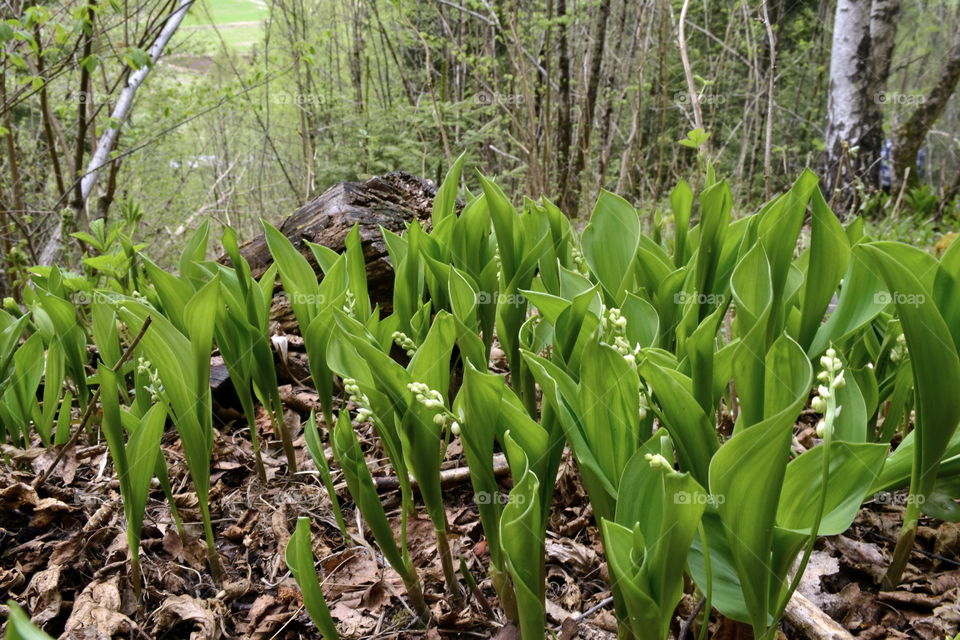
(812, 622)
(390, 201)
(448, 477)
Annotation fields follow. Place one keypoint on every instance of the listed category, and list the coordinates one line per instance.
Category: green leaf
(681, 201)
(658, 513)
(746, 476)
(691, 429)
(315, 447)
(299, 558)
(610, 403)
(445, 202)
(610, 242)
(521, 527)
(480, 393)
(853, 470)
(829, 256)
(19, 626)
(936, 372)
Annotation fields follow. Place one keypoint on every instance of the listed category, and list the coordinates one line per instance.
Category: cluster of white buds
(359, 398)
(831, 379)
(139, 297)
(629, 353)
(644, 405)
(613, 320)
(349, 303)
(578, 260)
(899, 350)
(430, 398)
(403, 341)
(154, 386)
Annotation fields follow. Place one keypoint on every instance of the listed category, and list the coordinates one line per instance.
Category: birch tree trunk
(863, 39)
(108, 139)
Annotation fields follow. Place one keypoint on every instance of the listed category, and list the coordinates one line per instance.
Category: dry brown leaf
(863, 556)
(945, 622)
(47, 510)
(97, 609)
(577, 556)
(172, 543)
(184, 607)
(351, 621)
(43, 595)
(11, 578)
(16, 496)
(569, 630)
(259, 607)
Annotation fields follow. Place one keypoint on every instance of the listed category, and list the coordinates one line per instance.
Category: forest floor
(63, 553)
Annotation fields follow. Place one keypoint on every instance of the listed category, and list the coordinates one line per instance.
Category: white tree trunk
(846, 109)
(121, 110)
(863, 39)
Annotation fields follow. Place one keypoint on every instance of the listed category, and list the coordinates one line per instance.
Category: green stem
(212, 556)
(708, 605)
(908, 533)
(446, 561)
(254, 439)
(411, 582)
(821, 506)
(135, 573)
(280, 428)
(504, 588)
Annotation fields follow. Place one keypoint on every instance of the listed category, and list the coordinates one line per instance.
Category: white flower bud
(657, 461)
(839, 382)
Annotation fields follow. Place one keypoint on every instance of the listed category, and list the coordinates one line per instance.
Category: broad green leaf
(681, 201)
(299, 558)
(521, 533)
(829, 255)
(746, 476)
(445, 202)
(610, 242)
(853, 470)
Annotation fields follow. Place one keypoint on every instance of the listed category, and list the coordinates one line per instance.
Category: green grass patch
(236, 23)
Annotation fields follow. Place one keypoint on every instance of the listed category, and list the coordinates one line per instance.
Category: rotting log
(390, 201)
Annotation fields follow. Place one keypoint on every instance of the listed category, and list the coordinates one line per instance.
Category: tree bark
(910, 135)
(585, 128)
(564, 133)
(390, 201)
(859, 66)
